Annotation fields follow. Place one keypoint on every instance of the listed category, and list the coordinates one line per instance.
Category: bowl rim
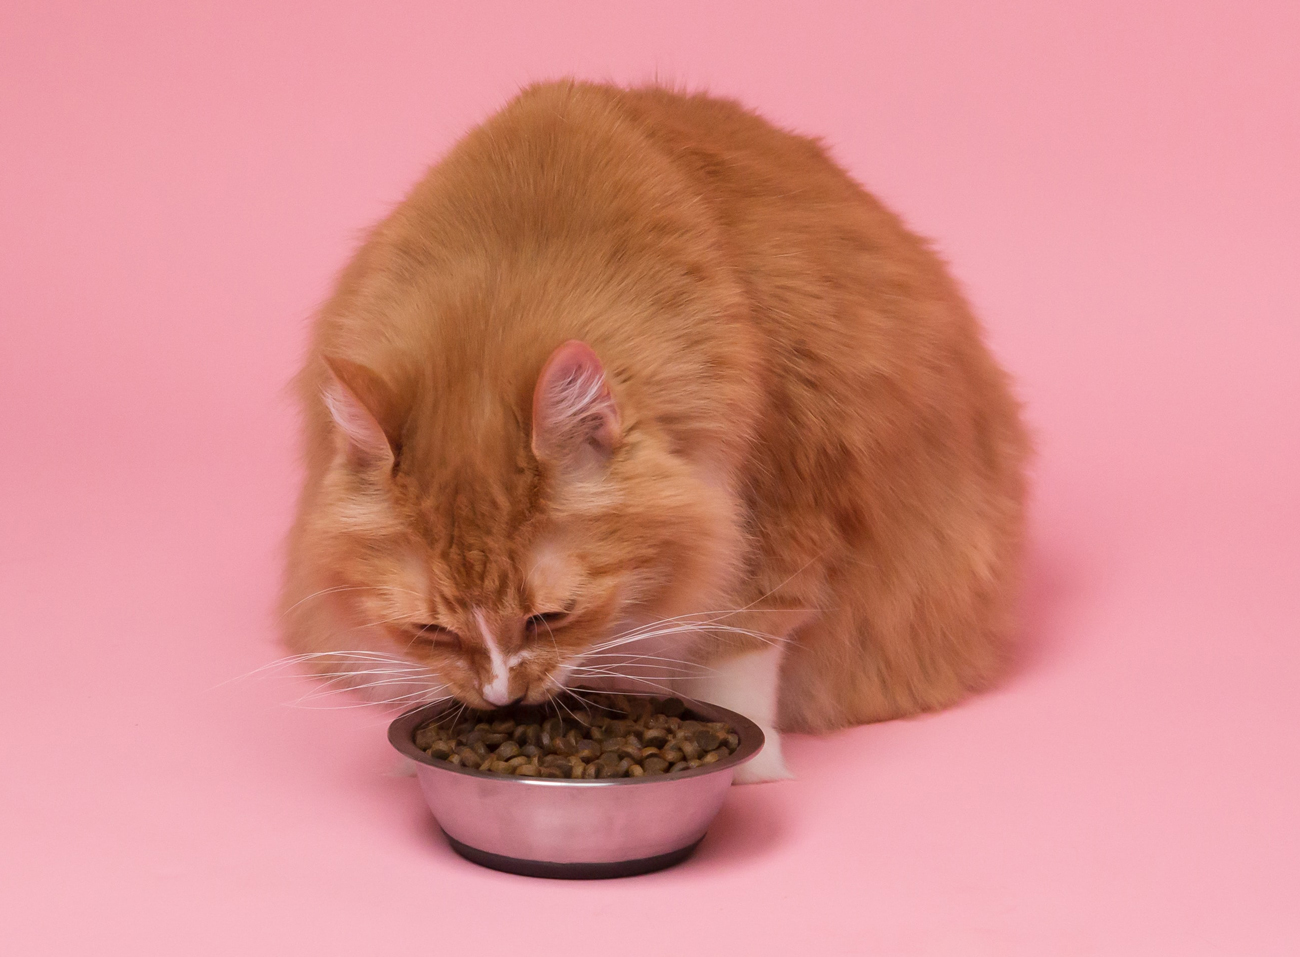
(401, 735)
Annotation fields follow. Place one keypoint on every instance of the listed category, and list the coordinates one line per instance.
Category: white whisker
(639, 657)
(632, 678)
(345, 688)
(342, 588)
(687, 629)
(341, 658)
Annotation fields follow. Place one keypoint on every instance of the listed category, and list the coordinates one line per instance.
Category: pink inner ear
(350, 391)
(573, 408)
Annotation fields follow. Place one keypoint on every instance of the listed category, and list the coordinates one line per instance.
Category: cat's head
(501, 538)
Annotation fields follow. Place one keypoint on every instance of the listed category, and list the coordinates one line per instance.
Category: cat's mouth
(565, 679)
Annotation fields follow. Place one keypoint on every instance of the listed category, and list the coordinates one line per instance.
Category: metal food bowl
(547, 827)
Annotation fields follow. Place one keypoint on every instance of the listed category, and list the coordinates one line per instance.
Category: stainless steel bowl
(544, 827)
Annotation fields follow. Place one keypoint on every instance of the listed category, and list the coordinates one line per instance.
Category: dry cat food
(599, 736)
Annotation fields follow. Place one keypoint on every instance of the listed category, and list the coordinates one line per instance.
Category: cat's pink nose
(501, 699)
(497, 691)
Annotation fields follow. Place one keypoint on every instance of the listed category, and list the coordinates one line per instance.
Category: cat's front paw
(768, 765)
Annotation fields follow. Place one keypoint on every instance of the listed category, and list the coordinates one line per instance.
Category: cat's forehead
(551, 573)
(473, 477)
(470, 528)
(475, 574)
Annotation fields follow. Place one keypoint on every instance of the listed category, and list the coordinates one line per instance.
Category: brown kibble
(427, 735)
(609, 759)
(615, 736)
(707, 740)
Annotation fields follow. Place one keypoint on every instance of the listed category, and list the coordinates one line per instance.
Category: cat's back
(868, 337)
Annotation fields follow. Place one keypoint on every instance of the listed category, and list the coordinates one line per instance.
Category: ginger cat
(635, 388)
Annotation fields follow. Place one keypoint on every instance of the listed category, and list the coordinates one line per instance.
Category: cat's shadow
(1053, 583)
(753, 821)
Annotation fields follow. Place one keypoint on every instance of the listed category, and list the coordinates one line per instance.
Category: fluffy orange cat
(636, 388)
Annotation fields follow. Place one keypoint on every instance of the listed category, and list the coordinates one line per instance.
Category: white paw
(748, 684)
(769, 765)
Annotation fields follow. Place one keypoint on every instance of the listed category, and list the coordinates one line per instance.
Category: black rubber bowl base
(571, 872)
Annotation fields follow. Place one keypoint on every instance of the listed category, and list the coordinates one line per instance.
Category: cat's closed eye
(433, 634)
(547, 620)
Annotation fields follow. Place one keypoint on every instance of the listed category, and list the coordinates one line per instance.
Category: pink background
(1115, 184)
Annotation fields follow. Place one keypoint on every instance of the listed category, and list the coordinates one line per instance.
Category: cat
(635, 388)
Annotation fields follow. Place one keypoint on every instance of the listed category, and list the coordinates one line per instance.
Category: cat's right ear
(575, 417)
(366, 412)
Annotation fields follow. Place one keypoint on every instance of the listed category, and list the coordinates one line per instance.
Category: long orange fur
(808, 442)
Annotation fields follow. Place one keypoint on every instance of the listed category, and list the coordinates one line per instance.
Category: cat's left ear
(366, 412)
(575, 417)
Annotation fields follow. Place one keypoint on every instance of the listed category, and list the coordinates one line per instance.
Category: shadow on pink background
(1115, 184)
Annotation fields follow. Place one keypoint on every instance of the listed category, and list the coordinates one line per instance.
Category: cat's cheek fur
(748, 684)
